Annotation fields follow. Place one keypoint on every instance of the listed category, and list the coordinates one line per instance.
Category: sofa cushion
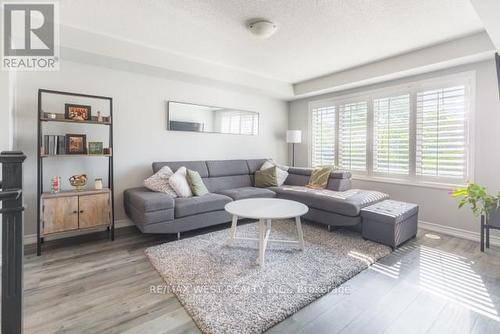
(266, 178)
(196, 183)
(159, 181)
(227, 168)
(348, 203)
(199, 166)
(248, 192)
(319, 178)
(216, 184)
(200, 204)
(146, 200)
(180, 184)
(281, 171)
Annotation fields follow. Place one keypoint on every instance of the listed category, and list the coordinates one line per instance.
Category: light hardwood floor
(90, 285)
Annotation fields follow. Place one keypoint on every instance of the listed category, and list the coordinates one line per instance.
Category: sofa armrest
(146, 200)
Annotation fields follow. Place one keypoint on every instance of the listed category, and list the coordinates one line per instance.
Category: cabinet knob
(75, 211)
(81, 211)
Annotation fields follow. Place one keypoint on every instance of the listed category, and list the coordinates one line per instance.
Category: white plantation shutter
(239, 123)
(442, 133)
(352, 136)
(248, 124)
(391, 135)
(323, 136)
(418, 132)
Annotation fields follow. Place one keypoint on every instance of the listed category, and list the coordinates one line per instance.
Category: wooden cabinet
(93, 210)
(60, 214)
(70, 211)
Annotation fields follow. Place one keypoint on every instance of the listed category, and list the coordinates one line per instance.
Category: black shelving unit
(41, 156)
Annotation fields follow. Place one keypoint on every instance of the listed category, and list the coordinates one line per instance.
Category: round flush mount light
(262, 28)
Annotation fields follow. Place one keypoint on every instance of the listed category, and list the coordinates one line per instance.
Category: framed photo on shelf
(77, 112)
(95, 148)
(76, 144)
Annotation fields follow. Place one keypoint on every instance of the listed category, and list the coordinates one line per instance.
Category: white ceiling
(314, 37)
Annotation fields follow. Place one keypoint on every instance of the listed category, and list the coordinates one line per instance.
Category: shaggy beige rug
(226, 292)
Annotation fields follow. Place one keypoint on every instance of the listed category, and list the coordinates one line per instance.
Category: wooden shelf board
(73, 155)
(66, 193)
(45, 119)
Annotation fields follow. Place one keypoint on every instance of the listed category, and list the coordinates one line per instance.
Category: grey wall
(435, 204)
(139, 125)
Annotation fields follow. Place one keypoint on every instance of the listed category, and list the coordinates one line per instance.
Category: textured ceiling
(314, 37)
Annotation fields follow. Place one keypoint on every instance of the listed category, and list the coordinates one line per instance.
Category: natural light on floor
(443, 274)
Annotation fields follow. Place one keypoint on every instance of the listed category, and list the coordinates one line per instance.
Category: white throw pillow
(281, 174)
(179, 183)
(159, 181)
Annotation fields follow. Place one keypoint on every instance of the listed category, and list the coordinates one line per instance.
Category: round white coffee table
(265, 210)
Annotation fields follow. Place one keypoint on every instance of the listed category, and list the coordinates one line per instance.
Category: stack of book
(53, 144)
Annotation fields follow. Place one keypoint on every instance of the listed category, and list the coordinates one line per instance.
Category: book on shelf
(54, 144)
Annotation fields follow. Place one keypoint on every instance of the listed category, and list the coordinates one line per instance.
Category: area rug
(225, 291)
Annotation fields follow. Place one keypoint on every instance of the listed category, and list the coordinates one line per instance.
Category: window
(323, 129)
(418, 133)
(352, 136)
(441, 133)
(391, 138)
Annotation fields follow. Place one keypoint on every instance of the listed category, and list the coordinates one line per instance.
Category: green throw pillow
(196, 183)
(266, 178)
(319, 177)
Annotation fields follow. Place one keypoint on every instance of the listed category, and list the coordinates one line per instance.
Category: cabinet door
(60, 214)
(94, 210)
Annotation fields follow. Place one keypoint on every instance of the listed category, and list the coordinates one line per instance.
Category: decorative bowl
(78, 181)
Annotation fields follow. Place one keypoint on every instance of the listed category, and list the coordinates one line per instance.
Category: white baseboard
(30, 239)
(451, 231)
(457, 232)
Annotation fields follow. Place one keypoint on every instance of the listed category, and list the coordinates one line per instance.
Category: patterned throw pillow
(196, 183)
(281, 173)
(319, 178)
(179, 183)
(159, 182)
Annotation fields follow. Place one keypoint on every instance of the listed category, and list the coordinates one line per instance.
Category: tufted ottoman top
(389, 211)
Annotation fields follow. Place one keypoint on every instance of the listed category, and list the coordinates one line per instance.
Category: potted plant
(482, 204)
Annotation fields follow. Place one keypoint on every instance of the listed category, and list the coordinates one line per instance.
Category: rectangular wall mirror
(199, 118)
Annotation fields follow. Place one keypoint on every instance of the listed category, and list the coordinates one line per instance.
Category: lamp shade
(294, 136)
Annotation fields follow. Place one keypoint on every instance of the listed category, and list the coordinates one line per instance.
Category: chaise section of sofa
(335, 208)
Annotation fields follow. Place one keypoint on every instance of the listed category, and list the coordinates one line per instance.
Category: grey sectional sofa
(229, 180)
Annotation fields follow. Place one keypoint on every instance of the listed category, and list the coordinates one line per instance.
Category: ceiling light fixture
(262, 28)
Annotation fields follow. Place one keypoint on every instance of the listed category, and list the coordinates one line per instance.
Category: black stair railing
(11, 198)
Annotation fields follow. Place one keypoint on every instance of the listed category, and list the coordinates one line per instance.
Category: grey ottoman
(390, 222)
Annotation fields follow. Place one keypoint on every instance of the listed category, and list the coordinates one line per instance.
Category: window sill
(422, 184)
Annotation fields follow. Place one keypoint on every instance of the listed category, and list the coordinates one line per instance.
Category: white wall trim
(30, 239)
(456, 232)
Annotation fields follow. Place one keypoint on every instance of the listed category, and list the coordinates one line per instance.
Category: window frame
(467, 79)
